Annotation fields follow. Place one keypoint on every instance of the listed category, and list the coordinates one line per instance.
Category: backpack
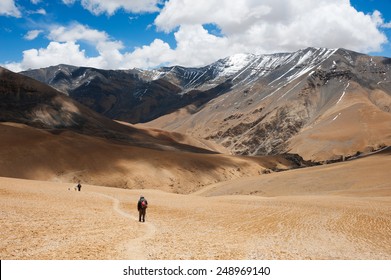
(144, 204)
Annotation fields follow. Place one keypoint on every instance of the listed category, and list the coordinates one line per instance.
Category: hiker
(142, 205)
(78, 186)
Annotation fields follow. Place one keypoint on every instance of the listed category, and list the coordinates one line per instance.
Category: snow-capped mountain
(314, 102)
(245, 69)
(251, 104)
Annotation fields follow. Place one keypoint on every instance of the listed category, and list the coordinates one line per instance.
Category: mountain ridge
(27, 101)
(286, 104)
(257, 104)
(46, 135)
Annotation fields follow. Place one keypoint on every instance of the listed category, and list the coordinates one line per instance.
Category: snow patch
(235, 63)
(336, 117)
(305, 57)
(289, 91)
(195, 79)
(343, 94)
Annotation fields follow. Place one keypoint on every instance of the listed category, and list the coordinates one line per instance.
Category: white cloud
(55, 53)
(65, 48)
(271, 25)
(36, 1)
(249, 26)
(8, 8)
(32, 34)
(98, 7)
(108, 49)
(195, 46)
(157, 53)
(39, 11)
(229, 15)
(266, 26)
(68, 2)
(378, 19)
(77, 32)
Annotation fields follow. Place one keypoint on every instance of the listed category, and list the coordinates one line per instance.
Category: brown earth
(339, 211)
(65, 156)
(358, 123)
(336, 118)
(203, 205)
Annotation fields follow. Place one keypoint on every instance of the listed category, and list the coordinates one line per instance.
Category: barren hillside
(67, 156)
(322, 104)
(46, 135)
(203, 205)
(314, 213)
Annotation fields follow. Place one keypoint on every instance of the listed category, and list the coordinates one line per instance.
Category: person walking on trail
(142, 205)
(78, 187)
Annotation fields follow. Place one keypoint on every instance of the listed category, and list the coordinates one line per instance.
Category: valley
(233, 157)
(328, 212)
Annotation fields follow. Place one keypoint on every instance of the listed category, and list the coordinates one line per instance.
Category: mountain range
(324, 104)
(46, 135)
(167, 134)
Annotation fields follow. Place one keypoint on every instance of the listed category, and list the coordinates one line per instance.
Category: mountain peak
(252, 103)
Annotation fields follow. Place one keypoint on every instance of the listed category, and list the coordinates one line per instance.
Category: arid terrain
(339, 211)
(240, 168)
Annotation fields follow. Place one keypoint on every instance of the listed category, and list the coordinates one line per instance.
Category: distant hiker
(142, 205)
(78, 187)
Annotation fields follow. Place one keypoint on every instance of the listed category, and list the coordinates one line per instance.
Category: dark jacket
(139, 203)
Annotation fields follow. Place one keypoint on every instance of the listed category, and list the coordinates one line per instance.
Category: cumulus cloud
(157, 53)
(252, 26)
(55, 53)
(76, 32)
(271, 25)
(379, 20)
(196, 46)
(65, 48)
(266, 26)
(98, 7)
(32, 34)
(8, 8)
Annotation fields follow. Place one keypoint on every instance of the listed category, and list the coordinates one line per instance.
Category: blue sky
(121, 34)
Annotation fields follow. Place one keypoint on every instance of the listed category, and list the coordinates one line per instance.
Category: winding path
(134, 248)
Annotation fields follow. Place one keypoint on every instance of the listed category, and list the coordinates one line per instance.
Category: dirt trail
(43, 220)
(134, 247)
(48, 220)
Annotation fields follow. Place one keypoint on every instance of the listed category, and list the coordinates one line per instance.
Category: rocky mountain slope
(127, 95)
(45, 135)
(27, 101)
(321, 103)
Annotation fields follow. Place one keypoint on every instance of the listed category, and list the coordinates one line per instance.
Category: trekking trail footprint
(134, 248)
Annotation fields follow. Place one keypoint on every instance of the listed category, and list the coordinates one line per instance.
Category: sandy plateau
(338, 211)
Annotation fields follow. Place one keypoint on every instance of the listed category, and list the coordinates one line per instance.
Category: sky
(125, 34)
